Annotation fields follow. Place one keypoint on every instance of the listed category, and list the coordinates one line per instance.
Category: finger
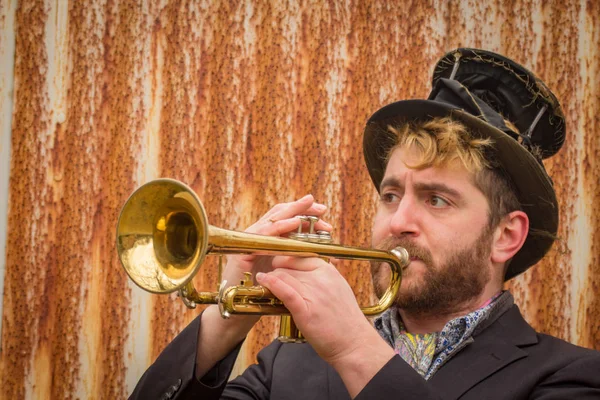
(279, 228)
(298, 263)
(303, 202)
(303, 206)
(274, 227)
(285, 288)
(316, 209)
(281, 219)
(322, 225)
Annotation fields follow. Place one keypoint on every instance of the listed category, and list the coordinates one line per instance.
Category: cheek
(380, 229)
(448, 241)
(381, 278)
(440, 249)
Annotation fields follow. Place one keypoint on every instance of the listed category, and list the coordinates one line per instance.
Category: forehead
(401, 165)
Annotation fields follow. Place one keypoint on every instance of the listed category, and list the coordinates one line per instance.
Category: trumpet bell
(162, 236)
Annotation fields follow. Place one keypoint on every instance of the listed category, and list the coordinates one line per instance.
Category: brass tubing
(224, 241)
(163, 237)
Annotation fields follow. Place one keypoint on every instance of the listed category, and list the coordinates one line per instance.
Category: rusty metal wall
(250, 103)
(7, 49)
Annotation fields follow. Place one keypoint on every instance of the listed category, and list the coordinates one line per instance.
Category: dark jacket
(507, 360)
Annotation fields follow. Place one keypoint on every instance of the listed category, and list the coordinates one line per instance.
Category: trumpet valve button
(247, 280)
(312, 220)
(324, 237)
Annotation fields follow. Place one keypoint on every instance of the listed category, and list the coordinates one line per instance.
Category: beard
(443, 288)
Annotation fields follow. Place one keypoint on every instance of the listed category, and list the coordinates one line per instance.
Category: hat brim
(532, 185)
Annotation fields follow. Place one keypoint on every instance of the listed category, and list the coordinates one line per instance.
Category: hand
(325, 310)
(320, 300)
(278, 221)
(217, 337)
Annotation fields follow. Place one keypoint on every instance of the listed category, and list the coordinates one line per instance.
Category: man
(466, 194)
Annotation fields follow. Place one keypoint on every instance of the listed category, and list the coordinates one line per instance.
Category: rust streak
(28, 244)
(590, 307)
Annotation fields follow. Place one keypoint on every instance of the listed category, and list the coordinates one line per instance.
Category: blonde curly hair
(440, 141)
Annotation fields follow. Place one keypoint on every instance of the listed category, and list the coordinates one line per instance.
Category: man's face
(441, 218)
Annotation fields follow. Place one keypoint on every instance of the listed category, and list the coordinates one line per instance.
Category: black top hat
(480, 89)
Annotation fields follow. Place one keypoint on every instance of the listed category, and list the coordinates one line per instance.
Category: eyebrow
(391, 181)
(421, 187)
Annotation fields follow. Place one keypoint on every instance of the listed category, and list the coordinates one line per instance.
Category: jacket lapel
(497, 346)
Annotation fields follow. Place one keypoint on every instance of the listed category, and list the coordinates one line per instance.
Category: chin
(411, 283)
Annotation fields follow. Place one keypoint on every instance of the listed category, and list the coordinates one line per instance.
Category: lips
(416, 252)
(411, 259)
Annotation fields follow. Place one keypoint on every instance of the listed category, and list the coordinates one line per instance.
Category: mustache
(414, 250)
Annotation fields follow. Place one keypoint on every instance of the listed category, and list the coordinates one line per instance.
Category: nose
(404, 220)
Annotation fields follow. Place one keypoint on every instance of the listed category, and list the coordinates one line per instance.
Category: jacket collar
(490, 350)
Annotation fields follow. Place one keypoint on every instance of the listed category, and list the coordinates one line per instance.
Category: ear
(509, 236)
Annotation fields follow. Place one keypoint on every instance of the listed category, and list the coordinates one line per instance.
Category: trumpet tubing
(163, 237)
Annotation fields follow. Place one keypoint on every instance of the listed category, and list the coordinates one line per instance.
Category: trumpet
(163, 238)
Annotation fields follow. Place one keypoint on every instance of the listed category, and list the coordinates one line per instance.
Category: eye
(438, 202)
(389, 198)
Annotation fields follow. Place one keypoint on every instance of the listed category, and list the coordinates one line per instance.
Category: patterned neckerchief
(426, 353)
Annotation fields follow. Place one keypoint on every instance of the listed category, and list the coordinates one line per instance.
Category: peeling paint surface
(250, 103)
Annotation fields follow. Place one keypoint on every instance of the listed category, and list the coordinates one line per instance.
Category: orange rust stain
(55, 230)
(30, 267)
(181, 140)
(556, 61)
(119, 111)
(548, 284)
(590, 335)
(456, 27)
